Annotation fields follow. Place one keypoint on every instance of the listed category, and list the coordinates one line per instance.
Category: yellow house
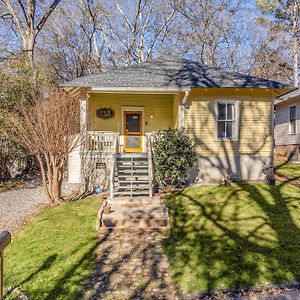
(228, 115)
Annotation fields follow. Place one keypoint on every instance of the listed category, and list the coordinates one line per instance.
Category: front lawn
(235, 236)
(290, 170)
(52, 256)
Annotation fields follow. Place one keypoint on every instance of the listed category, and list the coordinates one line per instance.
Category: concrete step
(134, 213)
(156, 222)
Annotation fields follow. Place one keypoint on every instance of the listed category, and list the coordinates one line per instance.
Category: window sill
(226, 140)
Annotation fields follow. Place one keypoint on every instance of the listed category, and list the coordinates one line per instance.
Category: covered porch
(126, 119)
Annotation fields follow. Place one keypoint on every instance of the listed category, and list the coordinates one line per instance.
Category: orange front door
(133, 131)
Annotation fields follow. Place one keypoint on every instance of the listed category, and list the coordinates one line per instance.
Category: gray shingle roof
(171, 72)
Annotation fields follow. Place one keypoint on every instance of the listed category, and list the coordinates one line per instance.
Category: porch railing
(113, 167)
(100, 141)
(5, 239)
(150, 164)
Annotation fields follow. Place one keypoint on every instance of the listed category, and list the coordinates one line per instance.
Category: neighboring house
(287, 126)
(228, 115)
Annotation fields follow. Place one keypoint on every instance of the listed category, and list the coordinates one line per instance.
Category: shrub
(174, 152)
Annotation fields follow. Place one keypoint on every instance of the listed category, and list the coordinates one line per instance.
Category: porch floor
(136, 212)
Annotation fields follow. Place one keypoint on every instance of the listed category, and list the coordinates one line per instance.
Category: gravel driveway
(18, 205)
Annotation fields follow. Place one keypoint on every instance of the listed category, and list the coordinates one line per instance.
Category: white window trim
(289, 114)
(236, 122)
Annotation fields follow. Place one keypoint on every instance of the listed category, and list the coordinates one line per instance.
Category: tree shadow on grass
(60, 287)
(228, 240)
(45, 266)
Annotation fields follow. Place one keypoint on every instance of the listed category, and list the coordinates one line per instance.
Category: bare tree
(134, 32)
(72, 44)
(286, 15)
(212, 30)
(29, 19)
(48, 129)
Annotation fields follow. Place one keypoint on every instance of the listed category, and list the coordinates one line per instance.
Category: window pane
(293, 113)
(221, 130)
(133, 122)
(293, 126)
(229, 129)
(221, 111)
(230, 111)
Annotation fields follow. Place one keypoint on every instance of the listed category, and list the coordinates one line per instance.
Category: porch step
(131, 175)
(133, 167)
(128, 187)
(133, 181)
(132, 171)
(131, 193)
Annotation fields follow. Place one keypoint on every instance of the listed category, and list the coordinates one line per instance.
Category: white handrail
(113, 167)
(150, 166)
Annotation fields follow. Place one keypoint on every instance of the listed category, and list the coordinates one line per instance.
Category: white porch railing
(150, 164)
(100, 141)
(113, 167)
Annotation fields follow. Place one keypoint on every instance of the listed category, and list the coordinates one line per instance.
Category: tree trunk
(56, 185)
(295, 44)
(28, 45)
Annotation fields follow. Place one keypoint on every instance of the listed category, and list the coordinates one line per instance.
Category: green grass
(51, 257)
(290, 170)
(235, 236)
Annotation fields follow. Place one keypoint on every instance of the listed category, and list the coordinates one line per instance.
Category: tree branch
(46, 15)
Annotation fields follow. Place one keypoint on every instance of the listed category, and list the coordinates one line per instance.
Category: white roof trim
(139, 89)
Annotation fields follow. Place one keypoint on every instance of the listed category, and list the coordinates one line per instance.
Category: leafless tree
(136, 30)
(48, 129)
(72, 44)
(212, 31)
(29, 19)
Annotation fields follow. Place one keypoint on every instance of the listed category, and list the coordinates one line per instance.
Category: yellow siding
(254, 124)
(158, 105)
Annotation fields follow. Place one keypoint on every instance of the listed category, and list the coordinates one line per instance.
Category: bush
(174, 152)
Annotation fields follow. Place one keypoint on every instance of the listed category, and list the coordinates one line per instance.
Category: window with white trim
(292, 126)
(226, 120)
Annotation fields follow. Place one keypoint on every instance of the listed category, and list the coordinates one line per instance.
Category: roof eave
(140, 89)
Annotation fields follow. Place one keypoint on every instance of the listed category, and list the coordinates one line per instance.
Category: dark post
(5, 239)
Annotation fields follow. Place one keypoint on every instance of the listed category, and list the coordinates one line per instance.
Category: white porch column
(83, 111)
(180, 115)
(181, 110)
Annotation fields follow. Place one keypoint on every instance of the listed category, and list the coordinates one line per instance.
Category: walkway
(19, 205)
(131, 265)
